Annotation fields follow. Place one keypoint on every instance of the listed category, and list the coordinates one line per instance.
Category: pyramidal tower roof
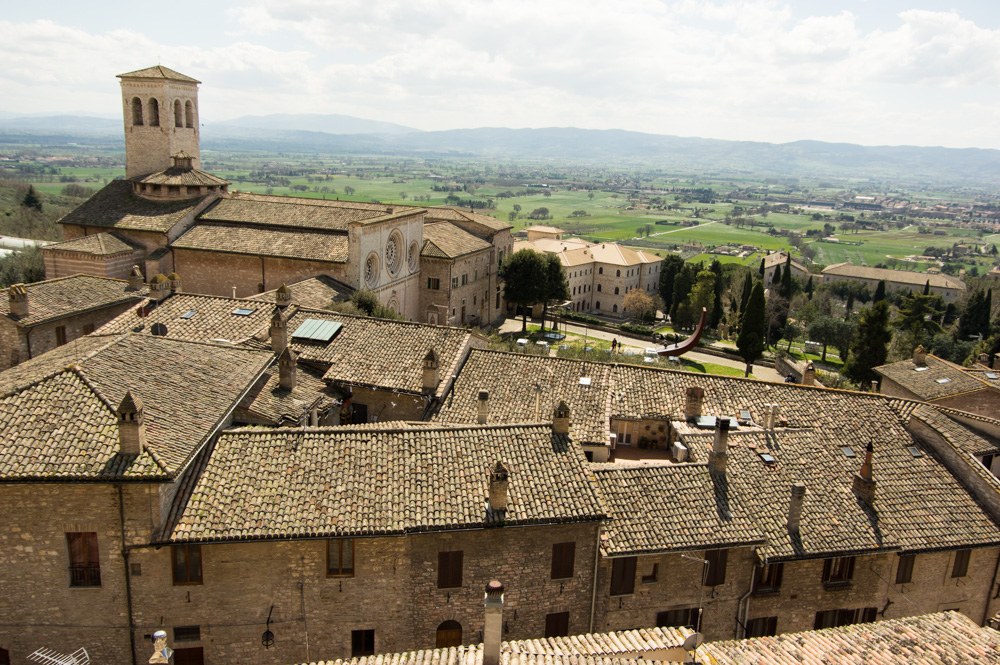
(158, 72)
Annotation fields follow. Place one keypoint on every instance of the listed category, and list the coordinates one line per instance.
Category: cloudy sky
(875, 72)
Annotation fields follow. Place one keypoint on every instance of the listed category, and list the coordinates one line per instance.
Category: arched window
(618, 273)
(616, 290)
(600, 271)
(188, 114)
(449, 634)
(178, 114)
(614, 308)
(136, 111)
(154, 112)
(598, 303)
(598, 287)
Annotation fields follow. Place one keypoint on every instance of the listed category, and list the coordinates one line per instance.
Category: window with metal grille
(767, 578)
(340, 557)
(84, 559)
(187, 633)
(450, 569)
(563, 555)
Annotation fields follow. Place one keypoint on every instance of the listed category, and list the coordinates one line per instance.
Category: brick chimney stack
(720, 448)
(560, 418)
(864, 482)
(996, 361)
(483, 407)
(493, 629)
(159, 287)
(432, 373)
(286, 368)
(283, 296)
(131, 426)
(920, 356)
(809, 375)
(175, 282)
(693, 398)
(278, 332)
(135, 279)
(795, 506)
(498, 487)
(18, 301)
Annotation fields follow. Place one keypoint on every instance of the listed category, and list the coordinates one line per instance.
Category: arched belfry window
(449, 634)
(178, 114)
(154, 112)
(188, 114)
(136, 111)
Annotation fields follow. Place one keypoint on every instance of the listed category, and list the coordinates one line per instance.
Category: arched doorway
(449, 634)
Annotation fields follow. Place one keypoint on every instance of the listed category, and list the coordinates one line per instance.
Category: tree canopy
(870, 347)
(524, 280)
(750, 341)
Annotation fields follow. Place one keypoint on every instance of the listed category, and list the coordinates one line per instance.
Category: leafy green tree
(750, 341)
(31, 199)
(918, 317)
(524, 281)
(870, 347)
(975, 319)
(22, 267)
(702, 295)
(639, 304)
(791, 333)
(669, 268)
(828, 331)
(556, 284)
(349, 190)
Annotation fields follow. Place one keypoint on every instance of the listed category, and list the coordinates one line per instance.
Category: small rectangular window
(454, 282)
(623, 576)
(767, 578)
(450, 569)
(904, 570)
(839, 571)
(465, 278)
(653, 575)
(557, 624)
(243, 311)
(762, 627)
(362, 643)
(84, 559)
(961, 566)
(689, 617)
(716, 567)
(340, 557)
(433, 283)
(60, 335)
(187, 564)
(188, 314)
(87, 328)
(563, 555)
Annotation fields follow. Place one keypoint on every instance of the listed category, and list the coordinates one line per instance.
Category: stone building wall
(435, 303)
(64, 264)
(149, 148)
(215, 273)
(984, 402)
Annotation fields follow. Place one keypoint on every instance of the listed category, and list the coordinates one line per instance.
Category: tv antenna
(50, 657)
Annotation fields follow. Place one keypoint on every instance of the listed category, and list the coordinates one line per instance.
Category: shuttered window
(563, 555)
(961, 566)
(716, 567)
(449, 569)
(557, 624)
(904, 571)
(622, 576)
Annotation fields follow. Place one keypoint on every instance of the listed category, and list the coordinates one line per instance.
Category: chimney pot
(131, 426)
(493, 627)
(283, 296)
(278, 332)
(431, 373)
(18, 301)
(498, 487)
(996, 361)
(809, 375)
(920, 356)
(795, 506)
(159, 287)
(286, 368)
(694, 396)
(720, 449)
(175, 282)
(560, 418)
(135, 279)
(864, 481)
(483, 407)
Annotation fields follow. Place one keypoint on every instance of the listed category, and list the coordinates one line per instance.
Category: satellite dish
(159, 330)
(693, 641)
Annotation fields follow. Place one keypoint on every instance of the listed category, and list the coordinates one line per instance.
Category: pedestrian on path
(614, 345)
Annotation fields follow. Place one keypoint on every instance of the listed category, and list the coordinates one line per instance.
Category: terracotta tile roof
(290, 243)
(115, 206)
(98, 244)
(940, 378)
(963, 438)
(915, 279)
(268, 402)
(443, 240)
(265, 483)
(158, 72)
(779, 258)
(944, 638)
(182, 176)
(512, 380)
(63, 425)
(383, 354)
(541, 228)
(68, 296)
(52, 362)
(316, 292)
(446, 214)
(198, 318)
(615, 254)
(287, 211)
(674, 507)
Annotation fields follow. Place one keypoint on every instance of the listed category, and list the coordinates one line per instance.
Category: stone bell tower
(160, 108)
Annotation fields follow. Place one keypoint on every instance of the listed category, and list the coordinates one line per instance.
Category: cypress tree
(776, 278)
(31, 199)
(879, 292)
(786, 280)
(927, 288)
(717, 309)
(870, 346)
(809, 287)
(750, 341)
(747, 289)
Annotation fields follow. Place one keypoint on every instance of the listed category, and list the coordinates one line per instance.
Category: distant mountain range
(346, 134)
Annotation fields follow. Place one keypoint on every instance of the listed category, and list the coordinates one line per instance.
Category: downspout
(128, 576)
(263, 275)
(27, 339)
(593, 593)
(745, 598)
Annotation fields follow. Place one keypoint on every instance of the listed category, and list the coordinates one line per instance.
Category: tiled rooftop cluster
(197, 317)
(316, 292)
(916, 279)
(100, 244)
(935, 378)
(115, 206)
(364, 480)
(66, 296)
(449, 241)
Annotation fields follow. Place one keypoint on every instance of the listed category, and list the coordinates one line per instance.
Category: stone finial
(499, 476)
(18, 301)
(864, 481)
(809, 375)
(286, 368)
(131, 425)
(920, 356)
(175, 282)
(482, 407)
(693, 399)
(560, 418)
(795, 506)
(159, 287)
(431, 373)
(135, 279)
(278, 332)
(283, 296)
(493, 627)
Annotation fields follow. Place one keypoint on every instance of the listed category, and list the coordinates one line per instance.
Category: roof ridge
(360, 317)
(78, 371)
(403, 428)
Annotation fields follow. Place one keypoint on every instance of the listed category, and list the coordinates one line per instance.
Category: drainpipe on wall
(745, 598)
(593, 593)
(128, 576)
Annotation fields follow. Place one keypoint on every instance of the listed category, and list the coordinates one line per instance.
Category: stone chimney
(694, 396)
(996, 361)
(135, 279)
(809, 375)
(18, 301)
(278, 332)
(432, 375)
(131, 426)
(286, 368)
(159, 287)
(493, 629)
(498, 487)
(482, 407)
(795, 506)
(864, 483)
(283, 296)
(720, 448)
(919, 356)
(771, 416)
(175, 282)
(560, 418)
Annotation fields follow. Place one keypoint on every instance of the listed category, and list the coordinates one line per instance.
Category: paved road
(759, 371)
